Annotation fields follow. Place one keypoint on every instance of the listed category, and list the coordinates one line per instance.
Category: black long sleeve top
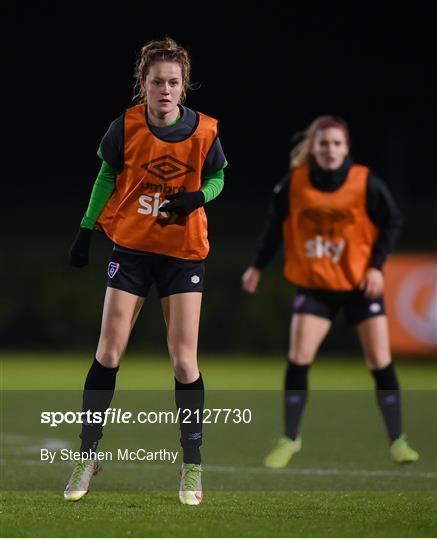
(381, 209)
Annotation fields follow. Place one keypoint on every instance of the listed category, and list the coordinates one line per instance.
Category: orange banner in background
(411, 302)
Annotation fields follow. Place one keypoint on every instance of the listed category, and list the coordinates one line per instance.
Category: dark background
(265, 73)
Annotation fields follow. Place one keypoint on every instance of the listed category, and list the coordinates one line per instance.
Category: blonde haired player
(338, 223)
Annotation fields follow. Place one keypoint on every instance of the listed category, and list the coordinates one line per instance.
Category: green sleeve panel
(213, 184)
(102, 191)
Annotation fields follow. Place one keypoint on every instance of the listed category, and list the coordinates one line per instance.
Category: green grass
(343, 483)
(67, 371)
(236, 514)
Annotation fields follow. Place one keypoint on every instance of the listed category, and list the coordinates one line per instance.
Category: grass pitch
(341, 484)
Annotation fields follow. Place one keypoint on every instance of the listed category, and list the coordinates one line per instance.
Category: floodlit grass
(343, 483)
(235, 514)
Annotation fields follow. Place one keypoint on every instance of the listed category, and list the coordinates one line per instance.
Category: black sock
(190, 397)
(296, 389)
(388, 396)
(97, 395)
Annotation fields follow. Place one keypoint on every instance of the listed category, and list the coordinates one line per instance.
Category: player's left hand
(373, 283)
(183, 203)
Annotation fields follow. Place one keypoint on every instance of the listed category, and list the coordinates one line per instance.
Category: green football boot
(401, 451)
(80, 478)
(190, 489)
(283, 451)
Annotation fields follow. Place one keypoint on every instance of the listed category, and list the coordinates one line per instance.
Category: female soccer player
(161, 163)
(338, 223)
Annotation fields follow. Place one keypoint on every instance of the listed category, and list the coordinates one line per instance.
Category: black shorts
(326, 304)
(135, 272)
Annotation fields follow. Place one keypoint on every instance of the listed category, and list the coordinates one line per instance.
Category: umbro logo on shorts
(195, 279)
(375, 307)
(113, 269)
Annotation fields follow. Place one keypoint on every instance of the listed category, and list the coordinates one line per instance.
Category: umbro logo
(167, 167)
(375, 307)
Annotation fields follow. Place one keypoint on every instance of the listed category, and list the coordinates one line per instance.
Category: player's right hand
(79, 251)
(250, 279)
(373, 283)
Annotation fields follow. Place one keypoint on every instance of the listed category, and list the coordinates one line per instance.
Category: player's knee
(302, 357)
(109, 358)
(377, 360)
(185, 371)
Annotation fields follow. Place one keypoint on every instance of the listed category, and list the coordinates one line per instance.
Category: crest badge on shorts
(113, 269)
(299, 301)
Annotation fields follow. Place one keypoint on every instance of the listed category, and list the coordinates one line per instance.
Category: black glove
(183, 203)
(79, 251)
